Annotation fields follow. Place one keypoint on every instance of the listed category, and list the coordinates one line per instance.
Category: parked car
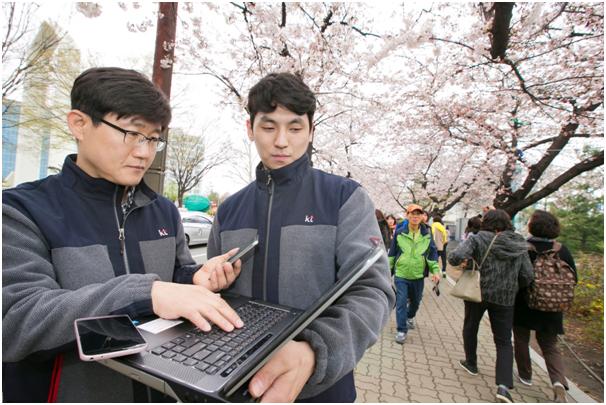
(196, 226)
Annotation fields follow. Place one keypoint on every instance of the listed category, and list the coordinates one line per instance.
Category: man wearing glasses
(412, 250)
(94, 240)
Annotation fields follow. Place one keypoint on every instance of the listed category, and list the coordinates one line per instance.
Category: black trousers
(442, 255)
(501, 321)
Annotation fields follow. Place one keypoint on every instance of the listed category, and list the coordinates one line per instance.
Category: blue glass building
(10, 133)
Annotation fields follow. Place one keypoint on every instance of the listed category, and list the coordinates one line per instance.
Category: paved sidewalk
(426, 368)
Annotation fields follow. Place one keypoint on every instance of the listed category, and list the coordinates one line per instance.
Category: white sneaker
(400, 337)
(411, 323)
(559, 392)
(524, 381)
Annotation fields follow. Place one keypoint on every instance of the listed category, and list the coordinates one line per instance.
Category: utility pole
(162, 77)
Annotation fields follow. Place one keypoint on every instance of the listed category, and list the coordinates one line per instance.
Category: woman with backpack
(504, 266)
(543, 228)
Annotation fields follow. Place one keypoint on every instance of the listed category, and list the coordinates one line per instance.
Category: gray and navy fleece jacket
(63, 258)
(312, 227)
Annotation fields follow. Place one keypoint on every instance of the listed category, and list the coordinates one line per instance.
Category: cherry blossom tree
(439, 103)
(554, 59)
(520, 96)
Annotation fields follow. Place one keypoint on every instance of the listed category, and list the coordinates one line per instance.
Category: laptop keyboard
(211, 351)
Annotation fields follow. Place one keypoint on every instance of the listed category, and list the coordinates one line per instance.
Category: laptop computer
(195, 366)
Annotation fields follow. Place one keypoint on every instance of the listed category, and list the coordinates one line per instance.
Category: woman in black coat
(544, 228)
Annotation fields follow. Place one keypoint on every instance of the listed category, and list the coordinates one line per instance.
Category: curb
(573, 391)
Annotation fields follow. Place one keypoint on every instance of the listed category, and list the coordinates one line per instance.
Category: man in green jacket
(412, 251)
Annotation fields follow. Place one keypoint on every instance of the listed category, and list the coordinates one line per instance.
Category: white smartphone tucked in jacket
(104, 337)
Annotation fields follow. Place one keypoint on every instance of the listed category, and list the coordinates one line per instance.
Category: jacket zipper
(413, 250)
(270, 190)
(121, 234)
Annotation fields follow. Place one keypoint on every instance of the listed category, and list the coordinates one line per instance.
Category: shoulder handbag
(468, 285)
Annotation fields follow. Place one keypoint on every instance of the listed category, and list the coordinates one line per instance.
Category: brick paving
(426, 369)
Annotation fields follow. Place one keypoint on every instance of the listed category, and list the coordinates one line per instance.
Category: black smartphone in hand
(245, 253)
(436, 289)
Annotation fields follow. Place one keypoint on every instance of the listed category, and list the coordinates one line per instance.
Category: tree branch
(553, 138)
(584, 166)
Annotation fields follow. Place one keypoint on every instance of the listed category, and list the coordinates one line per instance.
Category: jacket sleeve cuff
(185, 274)
(144, 305)
(321, 353)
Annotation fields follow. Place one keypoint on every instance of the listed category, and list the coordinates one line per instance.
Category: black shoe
(471, 369)
(503, 395)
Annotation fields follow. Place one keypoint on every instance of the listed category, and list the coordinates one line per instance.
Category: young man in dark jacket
(95, 240)
(312, 228)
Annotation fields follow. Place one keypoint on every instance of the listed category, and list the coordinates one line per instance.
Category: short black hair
(496, 221)
(124, 92)
(543, 224)
(437, 218)
(473, 225)
(284, 89)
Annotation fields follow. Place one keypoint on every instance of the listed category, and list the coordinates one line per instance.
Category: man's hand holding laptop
(284, 375)
(282, 378)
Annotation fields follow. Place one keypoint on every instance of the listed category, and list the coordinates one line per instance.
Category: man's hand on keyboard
(217, 274)
(282, 378)
(196, 303)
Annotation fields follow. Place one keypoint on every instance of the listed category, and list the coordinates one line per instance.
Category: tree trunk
(583, 242)
(164, 56)
(500, 30)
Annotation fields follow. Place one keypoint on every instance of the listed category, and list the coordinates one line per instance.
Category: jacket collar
(538, 239)
(423, 228)
(74, 177)
(283, 175)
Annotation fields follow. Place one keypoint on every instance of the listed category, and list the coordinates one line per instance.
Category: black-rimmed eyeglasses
(133, 138)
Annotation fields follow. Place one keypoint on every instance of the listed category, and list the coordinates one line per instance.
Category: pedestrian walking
(412, 250)
(473, 226)
(384, 228)
(441, 238)
(391, 223)
(543, 228)
(505, 267)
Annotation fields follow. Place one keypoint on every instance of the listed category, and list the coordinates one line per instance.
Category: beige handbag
(468, 285)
